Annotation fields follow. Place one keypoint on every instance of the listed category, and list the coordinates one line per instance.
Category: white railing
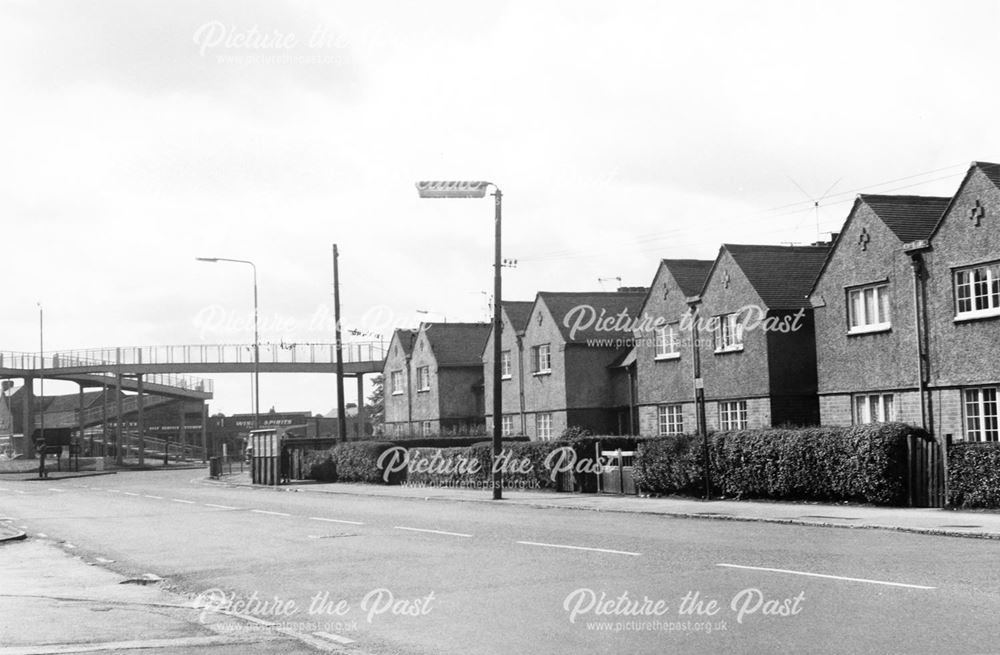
(227, 353)
(99, 366)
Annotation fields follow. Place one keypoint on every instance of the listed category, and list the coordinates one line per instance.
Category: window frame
(396, 390)
(507, 425)
(861, 407)
(991, 296)
(423, 379)
(728, 409)
(729, 325)
(506, 364)
(536, 359)
(669, 419)
(982, 433)
(667, 342)
(881, 302)
(543, 426)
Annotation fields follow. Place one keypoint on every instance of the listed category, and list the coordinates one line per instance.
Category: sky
(141, 135)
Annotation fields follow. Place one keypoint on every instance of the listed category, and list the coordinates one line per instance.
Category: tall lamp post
(477, 189)
(41, 370)
(256, 334)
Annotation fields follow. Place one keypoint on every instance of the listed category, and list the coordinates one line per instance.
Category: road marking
(181, 500)
(219, 506)
(69, 545)
(19, 492)
(57, 490)
(596, 550)
(174, 643)
(450, 534)
(320, 518)
(114, 491)
(264, 511)
(129, 493)
(335, 638)
(823, 575)
(41, 534)
(156, 497)
(4, 489)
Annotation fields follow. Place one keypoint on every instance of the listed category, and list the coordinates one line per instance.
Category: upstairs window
(667, 342)
(977, 291)
(868, 309)
(541, 359)
(505, 364)
(729, 333)
(396, 383)
(424, 378)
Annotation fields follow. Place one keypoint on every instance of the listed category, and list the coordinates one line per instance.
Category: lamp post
(256, 334)
(477, 189)
(41, 371)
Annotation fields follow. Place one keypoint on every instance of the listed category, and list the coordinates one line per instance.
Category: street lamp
(256, 336)
(477, 189)
(41, 371)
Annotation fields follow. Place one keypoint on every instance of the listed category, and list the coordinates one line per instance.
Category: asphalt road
(414, 576)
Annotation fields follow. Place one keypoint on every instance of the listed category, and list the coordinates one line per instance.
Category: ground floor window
(426, 429)
(507, 426)
(733, 415)
(543, 426)
(669, 419)
(874, 408)
(981, 414)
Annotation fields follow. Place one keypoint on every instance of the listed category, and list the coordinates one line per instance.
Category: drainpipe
(520, 381)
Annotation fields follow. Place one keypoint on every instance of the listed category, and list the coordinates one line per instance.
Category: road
(414, 576)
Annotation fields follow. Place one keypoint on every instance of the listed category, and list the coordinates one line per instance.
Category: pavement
(983, 524)
(77, 605)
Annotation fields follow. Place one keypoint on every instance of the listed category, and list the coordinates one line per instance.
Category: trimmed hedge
(351, 461)
(974, 475)
(669, 465)
(863, 463)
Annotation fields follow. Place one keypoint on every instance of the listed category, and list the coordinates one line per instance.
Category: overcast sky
(140, 135)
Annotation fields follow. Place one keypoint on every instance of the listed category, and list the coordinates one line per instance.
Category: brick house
(396, 383)
(514, 319)
(756, 342)
(570, 377)
(664, 360)
(867, 357)
(437, 381)
(961, 292)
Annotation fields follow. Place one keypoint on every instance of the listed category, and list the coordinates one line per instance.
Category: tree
(376, 403)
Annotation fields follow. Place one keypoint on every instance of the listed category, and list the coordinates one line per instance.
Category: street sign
(453, 189)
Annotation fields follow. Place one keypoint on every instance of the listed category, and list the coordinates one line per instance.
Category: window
(669, 420)
(868, 309)
(424, 378)
(981, 414)
(507, 426)
(667, 345)
(396, 383)
(541, 360)
(426, 429)
(729, 333)
(977, 291)
(733, 415)
(505, 365)
(543, 426)
(874, 408)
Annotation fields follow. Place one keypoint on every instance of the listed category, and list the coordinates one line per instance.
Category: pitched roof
(457, 344)
(406, 339)
(518, 312)
(992, 173)
(70, 402)
(690, 274)
(911, 218)
(781, 275)
(609, 304)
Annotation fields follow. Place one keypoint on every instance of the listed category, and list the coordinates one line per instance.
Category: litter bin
(215, 467)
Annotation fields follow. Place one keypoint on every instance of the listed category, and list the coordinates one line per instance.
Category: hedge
(974, 475)
(670, 465)
(351, 461)
(863, 463)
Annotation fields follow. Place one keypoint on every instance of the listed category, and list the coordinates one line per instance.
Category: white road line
(19, 492)
(40, 534)
(181, 500)
(450, 534)
(596, 550)
(219, 506)
(155, 497)
(264, 511)
(129, 493)
(335, 638)
(823, 575)
(320, 518)
(113, 491)
(57, 490)
(4, 489)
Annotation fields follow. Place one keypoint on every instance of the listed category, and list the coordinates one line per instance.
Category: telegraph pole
(341, 410)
